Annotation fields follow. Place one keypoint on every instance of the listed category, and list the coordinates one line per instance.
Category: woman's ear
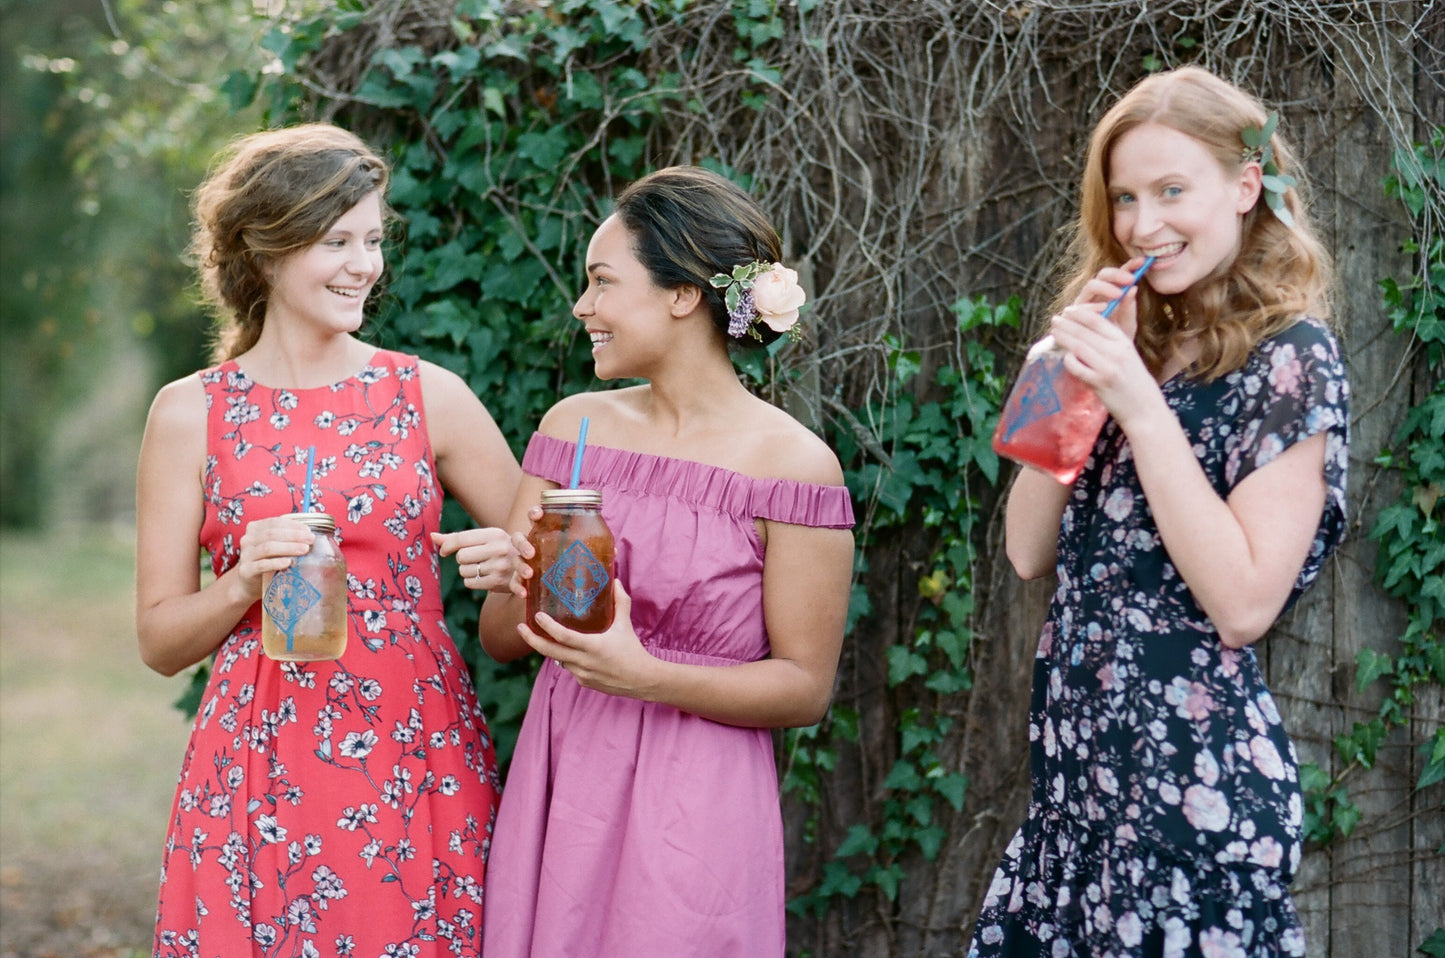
(1250, 184)
(685, 300)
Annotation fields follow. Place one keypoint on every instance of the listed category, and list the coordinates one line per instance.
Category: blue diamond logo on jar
(288, 598)
(1037, 398)
(576, 578)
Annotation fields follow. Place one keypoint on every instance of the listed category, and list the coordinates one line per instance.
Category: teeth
(350, 293)
(599, 339)
(1167, 250)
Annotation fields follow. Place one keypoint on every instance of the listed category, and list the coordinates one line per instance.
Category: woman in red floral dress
(323, 808)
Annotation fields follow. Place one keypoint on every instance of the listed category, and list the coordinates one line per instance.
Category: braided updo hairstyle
(272, 194)
(688, 224)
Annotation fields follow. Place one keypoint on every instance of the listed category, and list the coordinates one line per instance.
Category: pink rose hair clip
(759, 292)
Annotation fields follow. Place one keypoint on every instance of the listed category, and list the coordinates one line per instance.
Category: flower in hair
(759, 292)
(1257, 149)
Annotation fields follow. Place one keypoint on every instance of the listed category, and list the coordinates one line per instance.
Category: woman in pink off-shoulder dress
(641, 813)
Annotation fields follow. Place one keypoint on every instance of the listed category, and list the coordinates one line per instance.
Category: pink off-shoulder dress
(630, 829)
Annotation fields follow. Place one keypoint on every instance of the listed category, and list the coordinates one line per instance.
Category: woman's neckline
(683, 461)
(370, 362)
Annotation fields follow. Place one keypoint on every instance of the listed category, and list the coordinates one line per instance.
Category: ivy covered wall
(921, 168)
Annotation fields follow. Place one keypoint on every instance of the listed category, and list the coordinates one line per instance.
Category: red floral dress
(332, 808)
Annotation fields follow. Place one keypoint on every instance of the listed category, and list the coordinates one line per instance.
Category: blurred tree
(42, 307)
(111, 115)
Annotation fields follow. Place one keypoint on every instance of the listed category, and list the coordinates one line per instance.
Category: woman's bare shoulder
(604, 408)
(783, 448)
(179, 405)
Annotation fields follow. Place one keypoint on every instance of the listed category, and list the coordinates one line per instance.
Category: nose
(363, 261)
(1147, 218)
(583, 307)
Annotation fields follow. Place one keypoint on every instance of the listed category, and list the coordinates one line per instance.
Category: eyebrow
(594, 267)
(1153, 184)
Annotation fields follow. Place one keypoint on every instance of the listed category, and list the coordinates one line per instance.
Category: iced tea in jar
(303, 607)
(572, 567)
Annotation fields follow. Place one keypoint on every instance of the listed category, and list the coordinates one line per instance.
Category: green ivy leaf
(1370, 666)
(930, 841)
(1434, 751)
(903, 664)
(545, 150)
(858, 841)
(1312, 778)
(903, 777)
(240, 89)
(1346, 816)
(916, 735)
(887, 878)
(953, 786)
(1362, 743)
(1434, 946)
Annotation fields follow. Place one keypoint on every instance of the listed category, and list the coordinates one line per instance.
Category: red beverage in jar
(1051, 419)
(572, 567)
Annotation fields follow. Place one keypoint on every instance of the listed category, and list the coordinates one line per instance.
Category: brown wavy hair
(1279, 274)
(688, 224)
(271, 194)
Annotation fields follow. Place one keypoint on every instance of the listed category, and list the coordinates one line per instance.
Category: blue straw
(310, 471)
(577, 459)
(1138, 274)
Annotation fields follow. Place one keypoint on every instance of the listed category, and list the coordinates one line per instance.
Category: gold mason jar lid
(316, 521)
(571, 497)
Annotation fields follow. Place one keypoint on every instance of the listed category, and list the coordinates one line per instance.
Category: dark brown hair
(688, 224)
(270, 195)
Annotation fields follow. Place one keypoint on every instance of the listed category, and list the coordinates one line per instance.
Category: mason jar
(572, 566)
(303, 607)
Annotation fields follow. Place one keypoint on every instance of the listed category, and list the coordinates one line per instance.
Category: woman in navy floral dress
(338, 807)
(1166, 811)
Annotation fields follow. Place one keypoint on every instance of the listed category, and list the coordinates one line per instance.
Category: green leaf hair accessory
(1257, 149)
(761, 292)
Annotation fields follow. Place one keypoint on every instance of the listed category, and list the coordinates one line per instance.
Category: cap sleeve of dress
(803, 504)
(1294, 387)
(548, 458)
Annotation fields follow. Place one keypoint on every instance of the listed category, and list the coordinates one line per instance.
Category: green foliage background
(509, 125)
(506, 145)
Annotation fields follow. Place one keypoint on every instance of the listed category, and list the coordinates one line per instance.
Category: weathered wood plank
(1371, 901)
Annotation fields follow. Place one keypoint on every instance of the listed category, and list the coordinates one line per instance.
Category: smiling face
(325, 285)
(1170, 199)
(624, 311)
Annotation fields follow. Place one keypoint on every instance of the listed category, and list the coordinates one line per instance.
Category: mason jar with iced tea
(572, 565)
(303, 607)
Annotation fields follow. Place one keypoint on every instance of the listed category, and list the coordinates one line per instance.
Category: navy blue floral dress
(1166, 811)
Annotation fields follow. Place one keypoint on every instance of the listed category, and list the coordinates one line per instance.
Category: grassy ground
(89, 750)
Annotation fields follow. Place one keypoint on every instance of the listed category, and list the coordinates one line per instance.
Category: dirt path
(89, 750)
